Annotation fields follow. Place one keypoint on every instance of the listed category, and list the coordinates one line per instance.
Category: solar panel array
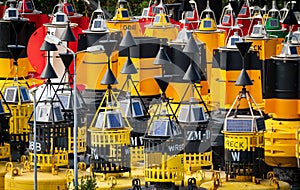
(1, 108)
(260, 123)
(137, 108)
(24, 94)
(239, 125)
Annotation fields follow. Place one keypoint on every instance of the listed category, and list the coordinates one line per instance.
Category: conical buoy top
(128, 67)
(163, 82)
(162, 57)
(243, 47)
(192, 74)
(109, 46)
(127, 40)
(15, 51)
(191, 46)
(46, 46)
(243, 79)
(66, 58)
(68, 34)
(48, 72)
(109, 78)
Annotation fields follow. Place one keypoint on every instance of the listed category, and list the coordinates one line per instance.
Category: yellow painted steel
(266, 47)
(109, 137)
(223, 88)
(270, 184)
(81, 140)
(123, 26)
(298, 146)
(161, 21)
(243, 141)
(22, 179)
(19, 120)
(119, 16)
(92, 67)
(213, 26)
(283, 108)
(137, 155)
(8, 70)
(116, 182)
(212, 41)
(196, 161)
(144, 79)
(169, 32)
(47, 161)
(5, 151)
(161, 167)
(175, 91)
(2, 174)
(280, 141)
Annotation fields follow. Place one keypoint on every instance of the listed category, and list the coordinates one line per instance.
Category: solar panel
(1, 108)
(57, 114)
(65, 100)
(167, 19)
(293, 50)
(243, 11)
(124, 13)
(190, 14)
(29, 5)
(114, 120)
(44, 113)
(70, 8)
(175, 128)
(12, 13)
(233, 40)
(256, 30)
(124, 107)
(11, 94)
(99, 122)
(207, 24)
(97, 24)
(283, 50)
(137, 108)
(198, 114)
(60, 18)
(145, 12)
(274, 23)
(226, 19)
(24, 94)
(159, 128)
(157, 18)
(260, 123)
(184, 111)
(239, 125)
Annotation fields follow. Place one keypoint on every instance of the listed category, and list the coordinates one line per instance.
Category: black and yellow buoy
(163, 144)
(210, 35)
(134, 107)
(110, 140)
(20, 104)
(51, 144)
(244, 142)
(282, 106)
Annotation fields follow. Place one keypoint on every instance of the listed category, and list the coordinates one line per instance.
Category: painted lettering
(235, 156)
(176, 147)
(198, 135)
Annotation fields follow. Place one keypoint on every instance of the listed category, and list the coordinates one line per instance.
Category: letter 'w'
(235, 156)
